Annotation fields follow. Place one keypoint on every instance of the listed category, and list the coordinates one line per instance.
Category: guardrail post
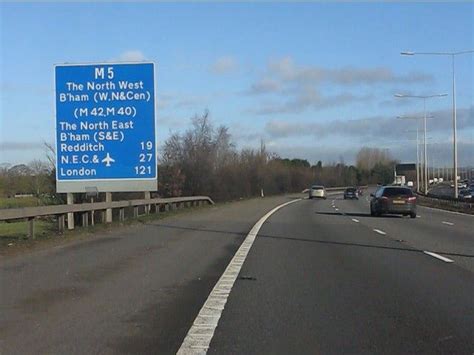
(167, 207)
(85, 219)
(70, 216)
(187, 204)
(92, 214)
(61, 224)
(147, 197)
(157, 208)
(135, 211)
(31, 227)
(108, 211)
(122, 214)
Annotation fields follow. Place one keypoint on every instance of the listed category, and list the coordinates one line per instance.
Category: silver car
(317, 191)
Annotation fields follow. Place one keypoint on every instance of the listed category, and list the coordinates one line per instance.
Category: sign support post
(70, 216)
(108, 211)
(147, 197)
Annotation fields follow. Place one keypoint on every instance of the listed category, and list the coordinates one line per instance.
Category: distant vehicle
(410, 183)
(462, 185)
(360, 191)
(435, 180)
(351, 193)
(466, 194)
(440, 179)
(393, 200)
(399, 180)
(317, 191)
(431, 181)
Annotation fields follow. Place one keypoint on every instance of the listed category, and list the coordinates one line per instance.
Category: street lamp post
(418, 170)
(455, 146)
(425, 153)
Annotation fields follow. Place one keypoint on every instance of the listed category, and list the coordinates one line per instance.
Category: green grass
(14, 231)
(19, 202)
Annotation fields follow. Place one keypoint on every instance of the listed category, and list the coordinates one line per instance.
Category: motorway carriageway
(309, 277)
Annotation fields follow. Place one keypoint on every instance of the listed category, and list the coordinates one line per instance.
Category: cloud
(36, 89)
(378, 128)
(132, 56)
(20, 146)
(296, 88)
(308, 98)
(288, 71)
(313, 153)
(265, 85)
(224, 65)
(179, 100)
(163, 101)
(171, 122)
(244, 133)
(191, 101)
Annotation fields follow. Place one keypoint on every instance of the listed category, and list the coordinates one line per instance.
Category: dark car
(351, 193)
(394, 200)
(466, 194)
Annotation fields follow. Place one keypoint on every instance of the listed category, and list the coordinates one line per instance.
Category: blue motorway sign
(105, 123)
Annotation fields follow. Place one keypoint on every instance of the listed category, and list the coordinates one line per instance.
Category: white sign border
(106, 185)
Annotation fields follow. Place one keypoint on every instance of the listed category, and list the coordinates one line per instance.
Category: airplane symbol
(107, 160)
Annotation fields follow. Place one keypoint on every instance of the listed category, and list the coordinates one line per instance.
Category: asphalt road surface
(443, 190)
(322, 277)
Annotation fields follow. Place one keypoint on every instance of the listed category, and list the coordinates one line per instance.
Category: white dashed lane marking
(448, 223)
(437, 256)
(379, 231)
(355, 220)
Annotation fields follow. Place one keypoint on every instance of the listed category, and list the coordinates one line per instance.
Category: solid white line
(437, 256)
(418, 216)
(448, 223)
(355, 220)
(197, 342)
(379, 231)
(453, 212)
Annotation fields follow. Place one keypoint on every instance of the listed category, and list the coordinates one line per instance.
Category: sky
(312, 80)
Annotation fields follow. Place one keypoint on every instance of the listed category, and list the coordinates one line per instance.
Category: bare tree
(50, 152)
